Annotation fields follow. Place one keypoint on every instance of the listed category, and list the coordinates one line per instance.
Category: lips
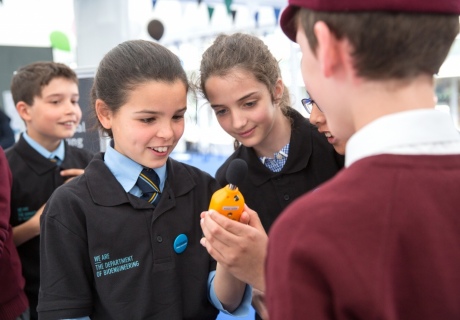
(246, 133)
(69, 122)
(160, 149)
(330, 138)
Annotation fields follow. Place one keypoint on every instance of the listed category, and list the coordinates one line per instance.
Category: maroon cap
(423, 6)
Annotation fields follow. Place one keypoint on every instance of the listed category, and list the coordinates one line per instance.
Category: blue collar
(126, 171)
(59, 152)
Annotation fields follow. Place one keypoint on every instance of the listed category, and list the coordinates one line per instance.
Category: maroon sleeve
(5, 197)
(296, 286)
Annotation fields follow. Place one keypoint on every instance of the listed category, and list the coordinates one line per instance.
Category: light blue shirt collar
(126, 171)
(59, 152)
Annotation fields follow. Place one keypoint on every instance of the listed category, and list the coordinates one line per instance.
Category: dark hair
(388, 45)
(29, 80)
(129, 64)
(245, 52)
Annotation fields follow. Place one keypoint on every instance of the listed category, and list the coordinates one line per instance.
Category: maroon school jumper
(379, 241)
(13, 300)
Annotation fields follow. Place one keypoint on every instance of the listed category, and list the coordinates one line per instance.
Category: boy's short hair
(390, 39)
(29, 80)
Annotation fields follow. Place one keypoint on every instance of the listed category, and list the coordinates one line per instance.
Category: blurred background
(80, 32)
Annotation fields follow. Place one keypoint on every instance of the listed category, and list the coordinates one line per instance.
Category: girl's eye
(147, 120)
(178, 117)
(250, 104)
(74, 101)
(220, 112)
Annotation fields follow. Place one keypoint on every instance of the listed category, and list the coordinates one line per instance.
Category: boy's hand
(239, 247)
(69, 174)
(28, 229)
(31, 228)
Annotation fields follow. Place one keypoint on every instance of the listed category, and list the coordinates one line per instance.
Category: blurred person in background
(13, 300)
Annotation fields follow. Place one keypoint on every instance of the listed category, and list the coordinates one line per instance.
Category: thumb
(72, 172)
(254, 220)
(245, 218)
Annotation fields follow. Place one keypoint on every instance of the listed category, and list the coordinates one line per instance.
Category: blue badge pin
(180, 244)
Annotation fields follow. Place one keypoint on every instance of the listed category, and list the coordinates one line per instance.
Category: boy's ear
(23, 110)
(333, 53)
(104, 114)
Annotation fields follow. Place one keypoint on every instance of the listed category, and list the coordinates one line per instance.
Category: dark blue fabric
(148, 182)
(6, 132)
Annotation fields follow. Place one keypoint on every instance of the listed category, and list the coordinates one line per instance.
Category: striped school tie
(54, 159)
(148, 182)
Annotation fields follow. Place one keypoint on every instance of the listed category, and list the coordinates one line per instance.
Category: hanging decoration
(199, 2)
(154, 3)
(210, 12)
(256, 18)
(277, 14)
(228, 4)
(155, 29)
(59, 41)
(233, 15)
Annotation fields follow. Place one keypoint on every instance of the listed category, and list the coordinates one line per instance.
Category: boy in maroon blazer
(380, 240)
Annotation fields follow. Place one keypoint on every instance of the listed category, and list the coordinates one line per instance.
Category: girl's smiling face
(149, 125)
(245, 109)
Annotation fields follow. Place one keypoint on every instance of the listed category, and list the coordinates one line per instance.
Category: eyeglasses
(308, 104)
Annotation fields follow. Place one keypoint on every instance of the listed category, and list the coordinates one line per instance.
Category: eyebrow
(156, 112)
(239, 100)
(53, 95)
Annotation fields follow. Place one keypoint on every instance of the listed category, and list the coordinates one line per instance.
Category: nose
(238, 119)
(72, 107)
(165, 131)
(73, 110)
(316, 116)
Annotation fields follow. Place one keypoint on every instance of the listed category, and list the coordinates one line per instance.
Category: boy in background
(380, 240)
(46, 97)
